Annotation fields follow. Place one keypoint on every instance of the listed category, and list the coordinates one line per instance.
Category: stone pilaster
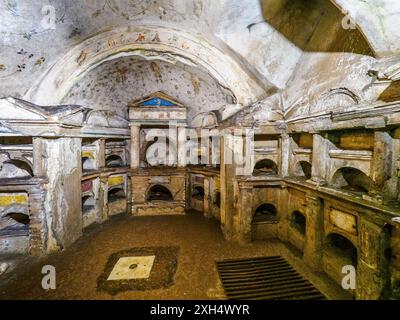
(59, 161)
(227, 180)
(243, 222)
(37, 223)
(313, 248)
(372, 268)
(381, 157)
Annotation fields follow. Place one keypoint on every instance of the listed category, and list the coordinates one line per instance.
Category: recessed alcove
(114, 161)
(352, 180)
(265, 167)
(159, 193)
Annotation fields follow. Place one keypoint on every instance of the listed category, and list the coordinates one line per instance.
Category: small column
(314, 233)
(135, 146)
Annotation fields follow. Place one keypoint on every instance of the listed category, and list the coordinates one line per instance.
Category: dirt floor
(200, 243)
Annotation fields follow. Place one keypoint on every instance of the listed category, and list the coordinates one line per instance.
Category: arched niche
(88, 164)
(116, 194)
(159, 193)
(352, 180)
(88, 203)
(16, 168)
(198, 193)
(298, 221)
(265, 213)
(114, 161)
(342, 248)
(217, 199)
(265, 167)
(14, 224)
(303, 169)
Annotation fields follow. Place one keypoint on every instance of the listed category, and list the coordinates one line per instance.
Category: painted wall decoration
(34, 35)
(103, 87)
(157, 102)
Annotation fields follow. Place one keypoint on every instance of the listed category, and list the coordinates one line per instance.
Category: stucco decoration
(335, 100)
(206, 120)
(321, 72)
(105, 118)
(115, 84)
(150, 43)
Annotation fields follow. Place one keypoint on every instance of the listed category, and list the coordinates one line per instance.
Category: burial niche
(265, 167)
(159, 193)
(266, 213)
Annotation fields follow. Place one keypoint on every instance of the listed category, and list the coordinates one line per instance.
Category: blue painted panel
(158, 102)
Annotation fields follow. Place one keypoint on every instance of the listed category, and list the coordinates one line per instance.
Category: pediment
(17, 110)
(105, 118)
(156, 100)
(14, 109)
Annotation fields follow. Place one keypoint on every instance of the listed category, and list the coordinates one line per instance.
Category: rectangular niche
(116, 196)
(264, 143)
(89, 155)
(17, 158)
(115, 153)
(353, 139)
(90, 208)
(303, 140)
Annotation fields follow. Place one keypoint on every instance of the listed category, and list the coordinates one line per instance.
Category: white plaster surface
(128, 268)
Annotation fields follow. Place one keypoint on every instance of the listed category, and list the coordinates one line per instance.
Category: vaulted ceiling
(249, 49)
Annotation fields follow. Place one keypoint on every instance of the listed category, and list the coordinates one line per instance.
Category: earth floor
(200, 244)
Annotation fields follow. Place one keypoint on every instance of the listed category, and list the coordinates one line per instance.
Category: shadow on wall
(265, 167)
(352, 180)
(159, 193)
(315, 25)
(391, 93)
